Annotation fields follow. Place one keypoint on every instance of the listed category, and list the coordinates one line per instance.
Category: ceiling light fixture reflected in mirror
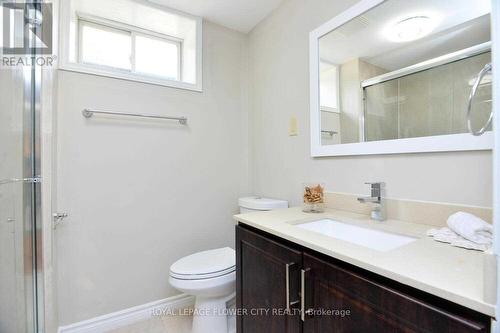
(411, 28)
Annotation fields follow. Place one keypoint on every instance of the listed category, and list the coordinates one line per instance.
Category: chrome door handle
(8, 181)
(58, 219)
(10, 222)
(18, 180)
(303, 311)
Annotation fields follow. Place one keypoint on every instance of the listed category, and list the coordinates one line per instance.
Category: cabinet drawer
(373, 306)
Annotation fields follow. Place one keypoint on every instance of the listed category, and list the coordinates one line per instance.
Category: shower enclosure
(428, 102)
(21, 287)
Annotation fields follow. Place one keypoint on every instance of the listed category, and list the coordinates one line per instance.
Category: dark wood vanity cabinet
(261, 284)
(376, 306)
(338, 297)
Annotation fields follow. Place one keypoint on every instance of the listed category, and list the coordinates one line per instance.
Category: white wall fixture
(411, 28)
(373, 119)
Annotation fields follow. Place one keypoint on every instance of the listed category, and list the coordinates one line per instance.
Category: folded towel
(446, 235)
(471, 228)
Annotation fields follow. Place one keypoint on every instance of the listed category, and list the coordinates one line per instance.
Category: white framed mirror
(395, 76)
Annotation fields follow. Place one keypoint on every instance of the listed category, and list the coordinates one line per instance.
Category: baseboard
(129, 316)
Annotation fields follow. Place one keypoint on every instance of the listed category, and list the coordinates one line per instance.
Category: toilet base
(211, 314)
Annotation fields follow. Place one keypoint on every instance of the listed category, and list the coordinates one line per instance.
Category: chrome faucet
(375, 198)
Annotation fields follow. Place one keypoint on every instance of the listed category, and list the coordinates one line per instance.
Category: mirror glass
(405, 69)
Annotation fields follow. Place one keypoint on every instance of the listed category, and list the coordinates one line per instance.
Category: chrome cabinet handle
(289, 304)
(287, 278)
(303, 311)
(486, 69)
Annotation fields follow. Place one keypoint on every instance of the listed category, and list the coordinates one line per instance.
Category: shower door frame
(32, 212)
(31, 313)
(495, 29)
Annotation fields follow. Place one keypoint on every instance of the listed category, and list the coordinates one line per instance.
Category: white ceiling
(241, 15)
(462, 23)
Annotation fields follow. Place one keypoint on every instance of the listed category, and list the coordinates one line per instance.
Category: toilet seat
(202, 276)
(205, 265)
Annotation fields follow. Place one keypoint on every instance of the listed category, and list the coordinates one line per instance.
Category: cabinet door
(267, 279)
(373, 307)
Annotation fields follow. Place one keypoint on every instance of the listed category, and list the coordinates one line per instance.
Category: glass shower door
(19, 200)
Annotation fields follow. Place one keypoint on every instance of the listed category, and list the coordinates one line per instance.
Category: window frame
(133, 32)
(102, 70)
(441, 143)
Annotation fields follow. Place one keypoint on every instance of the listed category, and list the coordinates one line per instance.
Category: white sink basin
(373, 239)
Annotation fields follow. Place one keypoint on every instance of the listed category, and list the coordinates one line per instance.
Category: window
(128, 49)
(329, 87)
(140, 42)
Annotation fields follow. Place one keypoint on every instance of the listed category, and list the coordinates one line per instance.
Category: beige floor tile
(167, 324)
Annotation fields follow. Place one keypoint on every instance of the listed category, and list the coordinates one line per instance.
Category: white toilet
(210, 276)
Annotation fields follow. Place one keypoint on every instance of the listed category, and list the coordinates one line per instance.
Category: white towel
(446, 235)
(471, 228)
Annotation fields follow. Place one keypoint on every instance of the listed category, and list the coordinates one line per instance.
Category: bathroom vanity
(386, 77)
(292, 277)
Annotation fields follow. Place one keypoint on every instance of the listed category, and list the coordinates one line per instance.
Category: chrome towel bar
(487, 69)
(330, 133)
(88, 113)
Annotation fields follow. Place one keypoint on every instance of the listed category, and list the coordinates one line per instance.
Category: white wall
(140, 194)
(280, 89)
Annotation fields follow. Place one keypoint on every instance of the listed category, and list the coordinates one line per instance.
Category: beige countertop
(462, 276)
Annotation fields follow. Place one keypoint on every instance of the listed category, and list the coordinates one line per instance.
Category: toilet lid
(260, 203)
(205, 265)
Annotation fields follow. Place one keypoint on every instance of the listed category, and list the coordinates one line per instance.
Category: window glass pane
(106, 46)
(329, 86)
(157, 57)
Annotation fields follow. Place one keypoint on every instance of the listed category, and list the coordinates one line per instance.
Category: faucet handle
(376, 197)
(376, 188)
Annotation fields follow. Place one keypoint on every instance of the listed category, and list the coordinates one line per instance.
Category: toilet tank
(255, 204)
